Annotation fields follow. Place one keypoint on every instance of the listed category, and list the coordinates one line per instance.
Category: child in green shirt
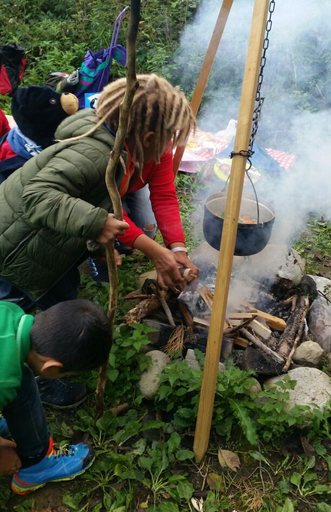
(66, 339)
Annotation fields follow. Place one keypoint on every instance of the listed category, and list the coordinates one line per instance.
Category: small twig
(163, 303)
(262, 346)
(131, 296)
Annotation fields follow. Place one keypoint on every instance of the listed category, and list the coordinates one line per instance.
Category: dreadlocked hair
(157, 107)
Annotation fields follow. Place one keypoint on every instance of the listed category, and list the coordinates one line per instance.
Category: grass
(144, 457)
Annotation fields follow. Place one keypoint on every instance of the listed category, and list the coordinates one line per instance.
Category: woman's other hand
(112, 229)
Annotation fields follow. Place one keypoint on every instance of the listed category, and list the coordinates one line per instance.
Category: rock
(329, 361)
(151, 274)
(323, 285)
(191, 360)
(221, 367)
(313, 387)
(150, 379)
(255, 387)
(308, 353)
(293, 269)
(319, 322)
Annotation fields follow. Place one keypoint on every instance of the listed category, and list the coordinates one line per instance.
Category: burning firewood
(207, 296)
(278, 324)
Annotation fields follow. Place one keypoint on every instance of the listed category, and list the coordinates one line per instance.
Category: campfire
(262, 329)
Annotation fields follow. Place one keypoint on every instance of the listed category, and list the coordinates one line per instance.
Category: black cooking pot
(251, 238)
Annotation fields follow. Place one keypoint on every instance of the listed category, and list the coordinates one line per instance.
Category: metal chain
(258, 99)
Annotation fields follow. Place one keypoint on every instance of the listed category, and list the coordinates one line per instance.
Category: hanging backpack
(12, 65)
(95, 69)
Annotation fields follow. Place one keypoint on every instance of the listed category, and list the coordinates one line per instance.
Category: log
(287, 339)
(298, 336)
(145, 308)
(253, 359)
(258, 343)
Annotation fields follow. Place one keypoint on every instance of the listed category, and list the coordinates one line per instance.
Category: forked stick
(131, 87)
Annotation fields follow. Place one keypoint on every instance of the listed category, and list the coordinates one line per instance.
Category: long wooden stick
(131, 87)
(205, 71)
(231, 217)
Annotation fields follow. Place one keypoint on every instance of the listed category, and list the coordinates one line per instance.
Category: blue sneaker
(61, 394)
(59, 464)
(4, 430)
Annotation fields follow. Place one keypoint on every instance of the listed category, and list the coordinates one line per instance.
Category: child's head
(159, 114)
(71, 337)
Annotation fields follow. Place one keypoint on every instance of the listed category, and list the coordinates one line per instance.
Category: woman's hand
(112, 229)
(167, 269)
(184, 261)
(10, 462)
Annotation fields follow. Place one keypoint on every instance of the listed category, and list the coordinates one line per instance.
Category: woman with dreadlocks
(58, 200)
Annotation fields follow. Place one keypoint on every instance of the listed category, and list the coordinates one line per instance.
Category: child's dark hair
(76, 333)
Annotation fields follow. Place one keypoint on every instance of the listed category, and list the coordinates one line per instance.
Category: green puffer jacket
(55, 203)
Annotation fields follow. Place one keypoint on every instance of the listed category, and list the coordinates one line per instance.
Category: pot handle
(254, 190)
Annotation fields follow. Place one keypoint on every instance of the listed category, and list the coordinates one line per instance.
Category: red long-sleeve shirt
(160, 178)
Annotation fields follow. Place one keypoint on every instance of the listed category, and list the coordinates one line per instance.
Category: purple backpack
(95, 68)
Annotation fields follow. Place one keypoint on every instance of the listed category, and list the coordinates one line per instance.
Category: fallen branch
(258, 343)
(298, 336)
(131, 87)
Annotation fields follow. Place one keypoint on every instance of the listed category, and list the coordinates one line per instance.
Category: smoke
(296, 115)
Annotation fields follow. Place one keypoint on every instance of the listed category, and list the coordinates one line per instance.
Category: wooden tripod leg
(231, 217)
(205, 70)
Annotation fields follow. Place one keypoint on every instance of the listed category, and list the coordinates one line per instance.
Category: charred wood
(295, 321)
(298, 337)
(262, 346)
(253, 359)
